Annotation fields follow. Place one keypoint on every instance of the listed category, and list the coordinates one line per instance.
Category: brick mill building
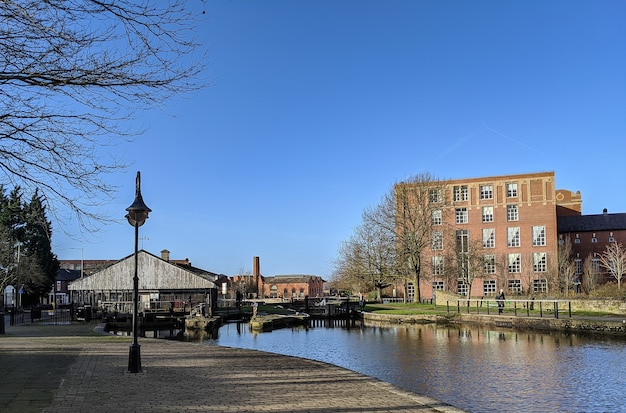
(508, 223)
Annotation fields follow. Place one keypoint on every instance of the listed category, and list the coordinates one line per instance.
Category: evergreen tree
(26, 256)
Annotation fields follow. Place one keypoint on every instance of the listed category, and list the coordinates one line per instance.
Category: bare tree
(591, 274)
(566, 266)
(416, 202)
(369, 255)
(614, 260)
(72, 74)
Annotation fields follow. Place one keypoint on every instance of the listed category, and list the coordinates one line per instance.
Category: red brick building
(293, 286)
(508, 222)
(590, 235)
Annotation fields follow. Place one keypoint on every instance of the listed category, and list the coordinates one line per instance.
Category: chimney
(605, 211)
(256, 274)
(165, 255)
(256, 267)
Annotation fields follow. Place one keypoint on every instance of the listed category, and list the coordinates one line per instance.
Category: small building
(162, 283)
(60, 293)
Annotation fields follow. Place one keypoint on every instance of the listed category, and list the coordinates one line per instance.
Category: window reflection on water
(474, 368)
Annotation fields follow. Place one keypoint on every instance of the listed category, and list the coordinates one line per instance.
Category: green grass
(429, 309)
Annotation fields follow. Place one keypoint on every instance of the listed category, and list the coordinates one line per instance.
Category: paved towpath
(71, 368)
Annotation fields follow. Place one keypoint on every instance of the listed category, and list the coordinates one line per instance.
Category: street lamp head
(138, 211)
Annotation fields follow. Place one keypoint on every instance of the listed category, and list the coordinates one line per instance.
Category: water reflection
(474, 368)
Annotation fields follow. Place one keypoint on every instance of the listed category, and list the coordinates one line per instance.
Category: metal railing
(517, 307)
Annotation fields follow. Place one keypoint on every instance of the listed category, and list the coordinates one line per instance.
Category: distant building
(293, 286)
(590, 235)
(60, 288)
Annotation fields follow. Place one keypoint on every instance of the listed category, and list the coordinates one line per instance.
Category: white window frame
(489, 264)
(515, 286)
(461, 215)
(512, 212)
(460, 193)
(437, 263)
(540, 262)
(437, 240)
(489, 287)
(487, 214)
(437, 217)
(439, 285)
(513, 237)
(539, 236)
(578, 266)
(489, 238)
(540, 285)
(514, 263)
(511, 190)
(486, 191)
(434, 196)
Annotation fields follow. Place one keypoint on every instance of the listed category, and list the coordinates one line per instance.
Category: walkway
(68, 368)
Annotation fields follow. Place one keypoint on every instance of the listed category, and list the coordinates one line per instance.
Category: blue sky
(317, 107)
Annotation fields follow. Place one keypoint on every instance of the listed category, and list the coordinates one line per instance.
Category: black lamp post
(137, 215)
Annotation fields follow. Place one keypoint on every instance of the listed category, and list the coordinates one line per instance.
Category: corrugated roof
(587, 223)
(294, 278)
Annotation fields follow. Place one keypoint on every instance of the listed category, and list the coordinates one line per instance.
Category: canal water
(471, 367)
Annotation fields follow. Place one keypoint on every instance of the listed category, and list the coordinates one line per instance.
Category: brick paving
(55, 369)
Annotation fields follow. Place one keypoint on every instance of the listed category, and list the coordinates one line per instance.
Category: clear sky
(317, 107)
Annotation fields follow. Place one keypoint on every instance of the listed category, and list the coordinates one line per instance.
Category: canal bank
(578, 324)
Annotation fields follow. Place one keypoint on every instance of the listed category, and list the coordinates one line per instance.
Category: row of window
(461, 215)
(540, 285)
(461, 192)
(513, 238)
(514, 263)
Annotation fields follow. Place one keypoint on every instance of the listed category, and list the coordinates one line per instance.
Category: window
(512, 213)
(595, 264)
(594, 240)
(434, 196)
(611, 239)
(540, 286)
(512, 237)
(577, 241)
(511, 190)
(460, 193)
(539, 235)
(461, 288)
(301, 292)
(438, 286)
(489, 238)
(410, 292)
(578, 266)
(461, 215)
(539, 262)
(437, 217)
(437, 240)
(488, 214)
(515, 263)
(437, 264)
(486, 192)
(489, 264)
(489, 287)
(515, 286)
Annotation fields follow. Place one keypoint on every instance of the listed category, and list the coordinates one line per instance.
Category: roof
(67, 275)
(154, 272)
(290, 279)
(586, 223)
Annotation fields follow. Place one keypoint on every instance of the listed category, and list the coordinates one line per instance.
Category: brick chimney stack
(165, 255)
(256, 273)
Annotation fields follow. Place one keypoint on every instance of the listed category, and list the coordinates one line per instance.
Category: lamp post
(137, 215)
